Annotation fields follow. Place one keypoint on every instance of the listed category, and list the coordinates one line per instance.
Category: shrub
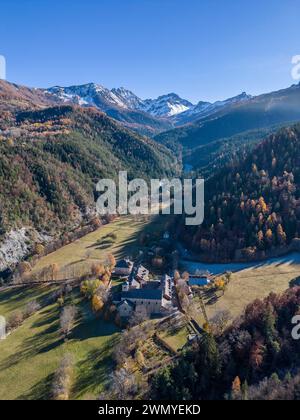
(15, 320)
(31, 308)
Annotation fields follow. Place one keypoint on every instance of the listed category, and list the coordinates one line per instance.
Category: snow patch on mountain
(89, 95)
(165, 106)
(204, 109)
(128, 98)
(96, 95)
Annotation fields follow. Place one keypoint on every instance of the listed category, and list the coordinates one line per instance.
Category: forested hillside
(15, 98)
(258, 113)
(256, 358)
(206, 160)
(51, 159)
(252, 208)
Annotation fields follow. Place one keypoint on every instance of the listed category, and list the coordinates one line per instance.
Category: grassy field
(32, 353)
(250, 284)
(120, 238)
(177, 339)
(15, 299)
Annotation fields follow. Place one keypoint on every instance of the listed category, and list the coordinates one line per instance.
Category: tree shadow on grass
(48, 317)
(104, 246)
(40, 342)
(295, 282)
(76, 262)
(130, 246)
(15, 295)
(94, 371)
(95, 327)
(40, 391)
(210, 296)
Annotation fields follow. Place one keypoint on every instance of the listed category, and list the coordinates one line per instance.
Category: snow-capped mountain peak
(170, 106)
(131, 100)
(90, 94)
(93, 94)
(167, 105)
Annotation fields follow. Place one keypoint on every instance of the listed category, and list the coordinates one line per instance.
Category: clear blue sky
(200, 49)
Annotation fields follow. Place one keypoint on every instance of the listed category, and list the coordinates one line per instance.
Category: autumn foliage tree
(252, 353)
(252, 207)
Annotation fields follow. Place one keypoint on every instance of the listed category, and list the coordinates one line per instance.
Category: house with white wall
(152, 297)
(123, 268)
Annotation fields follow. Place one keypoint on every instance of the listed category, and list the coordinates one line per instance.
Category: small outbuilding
(123, 267)
(199, 281)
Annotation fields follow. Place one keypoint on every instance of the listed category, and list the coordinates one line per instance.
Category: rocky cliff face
(17, 244)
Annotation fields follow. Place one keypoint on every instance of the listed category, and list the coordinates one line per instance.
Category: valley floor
(120, 238)
(31, 354)
(256, 282)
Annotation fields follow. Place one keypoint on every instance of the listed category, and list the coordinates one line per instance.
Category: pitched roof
(123, 264)
(199, 281)
(139, 271)
(153, 284)
(127, 302)
(149, 294)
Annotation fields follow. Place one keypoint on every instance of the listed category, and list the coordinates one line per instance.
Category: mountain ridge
(50, 162)
(164, 106)
(256, 113)
(252, 205)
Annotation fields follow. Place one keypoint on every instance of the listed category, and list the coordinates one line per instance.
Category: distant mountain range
(55, 143)
(243, 116)
(169, 106)
(197, 132)
(148, 117)
(205, 109)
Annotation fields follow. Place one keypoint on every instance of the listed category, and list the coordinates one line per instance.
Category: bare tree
(63, 378)
(54, 271)
(185, 276)
(68, 289)
(15, 320)
(138, 317)
(123, 384)
(88, 254)
(104, 396)
(220, 321)
(103, 292)
(31, 308)
(129, 341)
(67, 320)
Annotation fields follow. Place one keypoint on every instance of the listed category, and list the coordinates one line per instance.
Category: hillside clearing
(120, 238)
(31, 354)
(253, 283)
